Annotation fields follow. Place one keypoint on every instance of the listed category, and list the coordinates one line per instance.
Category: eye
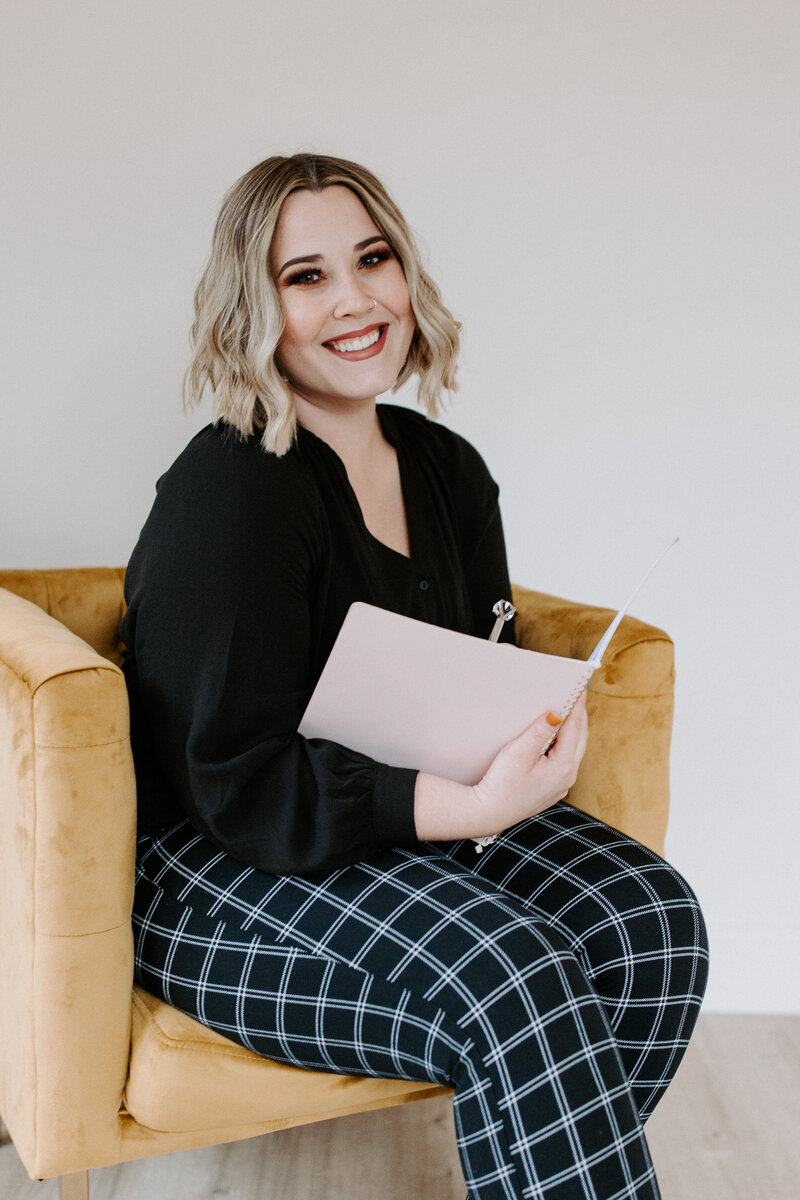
(373, 258)
(305, 276)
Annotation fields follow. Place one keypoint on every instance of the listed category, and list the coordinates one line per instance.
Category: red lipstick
(357, 355)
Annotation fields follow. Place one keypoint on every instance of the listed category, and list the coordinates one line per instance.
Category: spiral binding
(576, 693)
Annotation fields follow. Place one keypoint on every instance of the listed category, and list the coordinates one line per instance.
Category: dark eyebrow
(313, 258)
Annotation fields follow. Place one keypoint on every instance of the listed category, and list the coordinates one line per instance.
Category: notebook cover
(413, 695)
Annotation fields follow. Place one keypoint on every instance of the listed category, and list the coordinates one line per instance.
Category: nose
(352, 299)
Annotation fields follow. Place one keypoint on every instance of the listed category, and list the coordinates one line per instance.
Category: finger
(534, 741)
(541, 734)
(572, 735)
(536, 736)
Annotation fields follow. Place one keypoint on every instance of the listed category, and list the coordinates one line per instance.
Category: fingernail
(553, 719)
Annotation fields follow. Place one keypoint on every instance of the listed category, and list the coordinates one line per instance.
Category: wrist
(445, 811)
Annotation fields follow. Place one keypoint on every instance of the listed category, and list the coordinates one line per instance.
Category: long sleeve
(237, 588)
(221, 590)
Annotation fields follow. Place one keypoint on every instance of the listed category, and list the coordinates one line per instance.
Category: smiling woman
(319, 907)
(241, 304)
(328, 352)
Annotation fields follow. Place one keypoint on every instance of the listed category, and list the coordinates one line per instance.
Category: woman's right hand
(520, 782)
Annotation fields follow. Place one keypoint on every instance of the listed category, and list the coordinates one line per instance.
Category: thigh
(285, 1003)
(407, 965)
(414, 918)
(575, 871)
(632, 921)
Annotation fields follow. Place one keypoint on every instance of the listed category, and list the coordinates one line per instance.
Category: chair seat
(185, 1077)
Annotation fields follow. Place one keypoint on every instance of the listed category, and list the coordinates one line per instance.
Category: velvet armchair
(93, 1070)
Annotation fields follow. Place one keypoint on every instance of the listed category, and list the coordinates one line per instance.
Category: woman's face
(347, 312)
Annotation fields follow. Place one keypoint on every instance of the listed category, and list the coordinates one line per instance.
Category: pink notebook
(413, 695)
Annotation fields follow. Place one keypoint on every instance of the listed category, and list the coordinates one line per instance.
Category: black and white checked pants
(553, 981)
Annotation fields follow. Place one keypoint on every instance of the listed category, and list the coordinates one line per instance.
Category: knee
(652, 939)
(671, 915)
(685, 938)
(517, 974)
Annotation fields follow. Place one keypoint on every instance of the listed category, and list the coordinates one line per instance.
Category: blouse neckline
(390, 434)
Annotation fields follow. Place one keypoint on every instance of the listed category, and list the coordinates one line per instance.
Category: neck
(353, 431)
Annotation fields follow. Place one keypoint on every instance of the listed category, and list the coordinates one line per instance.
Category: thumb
(539, 735)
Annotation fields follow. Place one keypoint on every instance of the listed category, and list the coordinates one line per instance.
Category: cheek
(390, 285)
(297, 325)
(401, 301)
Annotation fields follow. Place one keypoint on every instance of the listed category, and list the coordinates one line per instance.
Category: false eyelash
(382, 254)
(299, 276)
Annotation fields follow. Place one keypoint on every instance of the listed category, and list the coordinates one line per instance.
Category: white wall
(609, 195)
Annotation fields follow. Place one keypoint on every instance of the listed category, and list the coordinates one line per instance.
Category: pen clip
(504, 611)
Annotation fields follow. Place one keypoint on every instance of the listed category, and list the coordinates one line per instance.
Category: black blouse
(237, 588)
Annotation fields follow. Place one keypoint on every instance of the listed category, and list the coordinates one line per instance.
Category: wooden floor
(729, 1129)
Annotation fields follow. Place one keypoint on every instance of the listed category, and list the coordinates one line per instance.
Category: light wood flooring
(729, 1129)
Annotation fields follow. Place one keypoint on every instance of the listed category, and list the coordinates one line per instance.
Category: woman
(316, 906)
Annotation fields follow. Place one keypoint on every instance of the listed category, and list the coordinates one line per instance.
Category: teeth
(343, 347)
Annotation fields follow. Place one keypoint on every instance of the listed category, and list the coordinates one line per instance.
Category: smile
(361, 343)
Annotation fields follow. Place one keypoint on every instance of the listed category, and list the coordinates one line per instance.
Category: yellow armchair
(93, 1070)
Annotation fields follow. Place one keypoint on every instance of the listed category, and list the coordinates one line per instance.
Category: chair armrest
(67, 834)
(624, 777)
(88, 600)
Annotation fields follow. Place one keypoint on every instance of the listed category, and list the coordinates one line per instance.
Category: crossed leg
(413, 965)
(631, 920)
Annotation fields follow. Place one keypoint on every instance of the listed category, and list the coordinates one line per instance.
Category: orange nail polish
(553, 719)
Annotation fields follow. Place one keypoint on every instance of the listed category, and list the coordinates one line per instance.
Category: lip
(358, 355)
(355, 333)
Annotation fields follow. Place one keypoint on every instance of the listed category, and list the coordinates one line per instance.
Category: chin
(366, 387)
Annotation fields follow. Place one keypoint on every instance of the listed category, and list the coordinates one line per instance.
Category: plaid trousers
(553, 981)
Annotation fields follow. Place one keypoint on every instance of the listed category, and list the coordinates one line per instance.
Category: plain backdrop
(607, 193)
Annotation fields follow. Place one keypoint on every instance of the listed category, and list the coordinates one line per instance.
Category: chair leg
(74, 1186)
(70, 1187)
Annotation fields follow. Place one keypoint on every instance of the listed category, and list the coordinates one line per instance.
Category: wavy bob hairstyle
(238, 319)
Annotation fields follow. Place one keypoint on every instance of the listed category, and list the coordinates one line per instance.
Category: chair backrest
(88, 600)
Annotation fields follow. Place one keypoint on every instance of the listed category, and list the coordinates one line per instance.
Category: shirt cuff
(393, 807)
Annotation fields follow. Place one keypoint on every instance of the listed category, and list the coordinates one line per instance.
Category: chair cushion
(184, 1077)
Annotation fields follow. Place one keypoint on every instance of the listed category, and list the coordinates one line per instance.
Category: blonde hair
(238, 319)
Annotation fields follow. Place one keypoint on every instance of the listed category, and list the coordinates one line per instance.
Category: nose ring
(374, 305)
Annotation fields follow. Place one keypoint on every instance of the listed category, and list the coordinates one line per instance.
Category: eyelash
(300, 278)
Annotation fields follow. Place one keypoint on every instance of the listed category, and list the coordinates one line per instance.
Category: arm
(225, 588)
(520, 782)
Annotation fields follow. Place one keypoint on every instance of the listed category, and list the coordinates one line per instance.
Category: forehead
(311, 222)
